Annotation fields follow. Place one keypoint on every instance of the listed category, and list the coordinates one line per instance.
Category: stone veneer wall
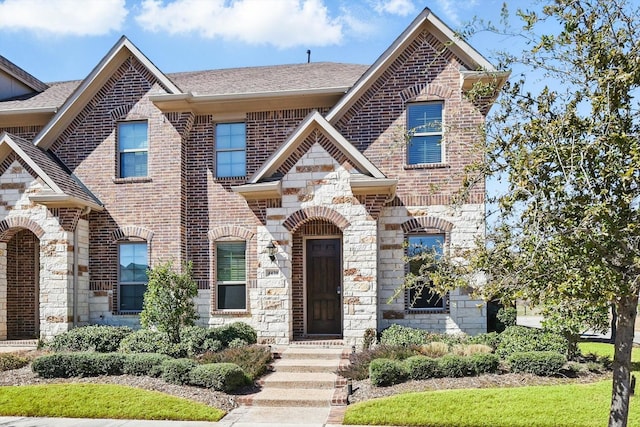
(465, 314)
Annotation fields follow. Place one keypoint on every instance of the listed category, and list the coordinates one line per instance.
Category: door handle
(339, 291)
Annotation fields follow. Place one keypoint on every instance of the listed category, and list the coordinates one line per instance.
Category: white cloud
(282, 23)
(394, 7)
(63, 17)
(451, 9)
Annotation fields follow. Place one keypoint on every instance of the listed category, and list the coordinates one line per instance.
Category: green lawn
(579, 405)
(100, 401)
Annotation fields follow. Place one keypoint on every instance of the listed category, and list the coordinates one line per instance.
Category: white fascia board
(34, 110)
(194, 97)
(53, 199)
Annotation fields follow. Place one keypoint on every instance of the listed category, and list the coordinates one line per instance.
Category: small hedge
(542, 363)
(237, 330)
(144, 364)
(218, 376)
(100, 338)
(484, 363)
(252, 359)
(454, 366)
(177, 371)
(66, 365)
(398, 335)
(386, 372)
(421, 367)
(9, 361)
(148, 341)
(516, 339)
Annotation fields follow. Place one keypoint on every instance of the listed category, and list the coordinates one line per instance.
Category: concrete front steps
(303, 377)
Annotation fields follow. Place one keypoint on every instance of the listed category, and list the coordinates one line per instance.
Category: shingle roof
(315, 75)
(54, 169)
(22, 75)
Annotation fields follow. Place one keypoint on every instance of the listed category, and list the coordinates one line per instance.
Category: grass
(579, 405)
(100, 401)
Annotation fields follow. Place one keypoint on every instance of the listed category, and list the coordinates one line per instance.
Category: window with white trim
(231, 276)
(132, 276)
(421, 297)
(133, 149)
(231, 154)
(424, 125)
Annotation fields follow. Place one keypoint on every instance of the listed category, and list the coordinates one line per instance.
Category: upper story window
(424, 124)
(231, 155)
(231, 276)
(133, 148)
(422, 298)
(132, 276)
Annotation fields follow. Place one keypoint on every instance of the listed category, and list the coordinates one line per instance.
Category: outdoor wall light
(272, 250)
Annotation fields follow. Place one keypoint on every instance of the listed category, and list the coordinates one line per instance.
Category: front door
(324, 287)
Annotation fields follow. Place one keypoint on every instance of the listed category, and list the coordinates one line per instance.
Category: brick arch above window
(302, 216)
(424, 91)
(9, 227)
(426, 223)
(230, 231)
(129, 231)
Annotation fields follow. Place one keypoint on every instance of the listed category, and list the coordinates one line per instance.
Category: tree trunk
(626, 309)
(614, 321)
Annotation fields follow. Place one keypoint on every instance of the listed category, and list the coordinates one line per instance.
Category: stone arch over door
(20, 277)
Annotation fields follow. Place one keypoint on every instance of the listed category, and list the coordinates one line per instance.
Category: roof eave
(495, 78)
(260, 191)
(56, 200)
(368, 185)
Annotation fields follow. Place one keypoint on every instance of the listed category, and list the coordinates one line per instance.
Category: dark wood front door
(324, 282)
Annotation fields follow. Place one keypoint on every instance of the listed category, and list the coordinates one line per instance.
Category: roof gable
(16, 82)
(93, 83)
(477, 66)
(65, 189)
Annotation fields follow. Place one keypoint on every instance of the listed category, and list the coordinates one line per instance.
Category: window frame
(218, 150)
(413, 133)
(130, 283)
(121, 151)
(409, 308)
(221, 283)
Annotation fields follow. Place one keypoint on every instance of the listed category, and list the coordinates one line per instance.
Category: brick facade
(183, 211)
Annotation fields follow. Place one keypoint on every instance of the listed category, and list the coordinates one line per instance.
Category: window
(133, 276)
(424, 123)
(133, 148)
(424, 299)
(231, 276)
(230, 150)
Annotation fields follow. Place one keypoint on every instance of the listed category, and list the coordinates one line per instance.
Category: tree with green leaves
(168, 302)
(565, 138)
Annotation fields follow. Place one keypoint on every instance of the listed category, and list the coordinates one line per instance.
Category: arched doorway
(23, 277)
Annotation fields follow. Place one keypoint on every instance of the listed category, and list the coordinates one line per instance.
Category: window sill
(231, 313)
(132, 180)
(428, 311)
(427, 166)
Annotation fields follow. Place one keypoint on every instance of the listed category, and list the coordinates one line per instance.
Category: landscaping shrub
(470, 349)
(385, 372)
(238, 343)
(218, 376)
(10, 361)
(252, 359)
(177, 371)
(192, 339)
(434, 349)
(144, 364)
(484, 363)
(358, 368)
(453, 366)
(370, 338)
(148, 341)
(507, 316)
(492, 339)
(228, 333)
(84, 364)
(397, 335)
(100, 338)
(516, 339)
(421, 367)
(542, 363)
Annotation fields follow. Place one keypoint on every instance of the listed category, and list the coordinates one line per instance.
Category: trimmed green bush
(386, 372)
(177, 371)
(100, 338)
(492, 339)
(421, 367)
(218, 376)
(542, 363)
(358, 368)
(148, 341)
(398, 335)
(9, 361)
(252, 359)
(66, 365)
(237, 330)
(144, 364)
(484, 363)
(453, 366)
(516, 339)
(507, 316)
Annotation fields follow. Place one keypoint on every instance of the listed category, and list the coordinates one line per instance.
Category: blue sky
(58, 40)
